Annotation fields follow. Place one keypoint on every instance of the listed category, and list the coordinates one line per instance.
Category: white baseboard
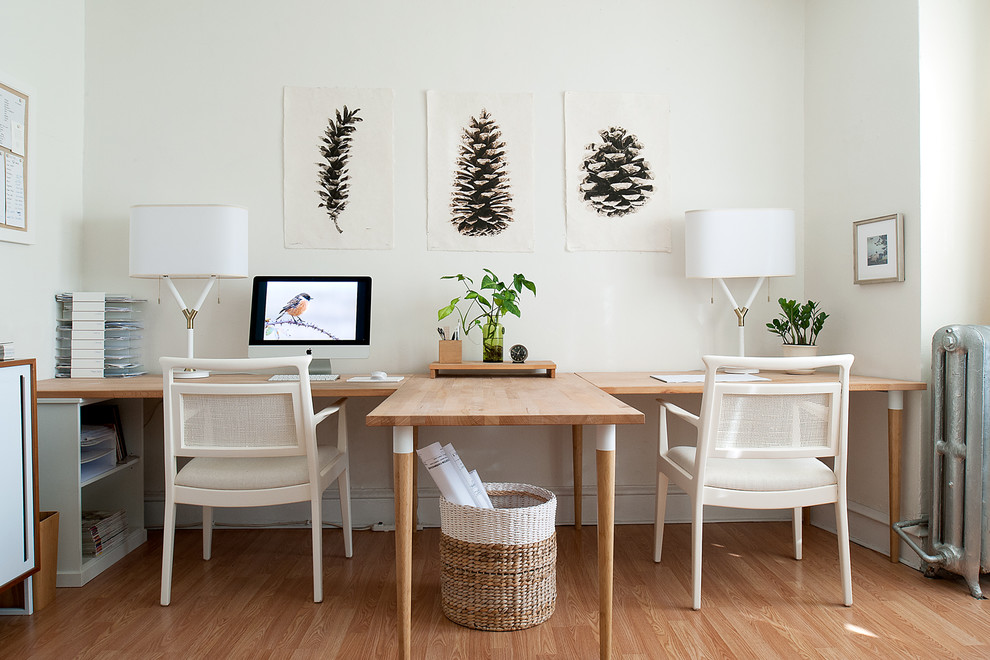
(633, 505)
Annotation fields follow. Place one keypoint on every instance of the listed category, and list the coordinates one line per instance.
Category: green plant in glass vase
(494, 298)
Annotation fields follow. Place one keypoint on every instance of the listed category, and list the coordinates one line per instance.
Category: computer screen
(325, 316)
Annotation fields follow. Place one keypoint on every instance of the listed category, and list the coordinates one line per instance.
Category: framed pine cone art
(480, 172)
(616, 148)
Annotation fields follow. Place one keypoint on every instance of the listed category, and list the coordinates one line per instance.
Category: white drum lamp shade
(189, 241)
(728, 243)
(739, 243)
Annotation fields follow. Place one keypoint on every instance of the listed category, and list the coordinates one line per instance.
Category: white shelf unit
(64, 487)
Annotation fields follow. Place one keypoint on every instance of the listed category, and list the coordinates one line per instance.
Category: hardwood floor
(254, 600)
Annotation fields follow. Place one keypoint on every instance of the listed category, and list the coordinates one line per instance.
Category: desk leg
(895, 421)
(605, 463)
(402, 463)
(415, 481)
(577, 440)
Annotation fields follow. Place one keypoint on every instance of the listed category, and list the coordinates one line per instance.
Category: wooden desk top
(629, 382)
(501, 401)
(151, 386)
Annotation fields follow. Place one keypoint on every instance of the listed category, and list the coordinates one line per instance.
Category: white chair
(251, 445)
(758, 447)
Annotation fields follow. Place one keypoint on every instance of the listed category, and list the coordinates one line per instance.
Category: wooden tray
(496, 368)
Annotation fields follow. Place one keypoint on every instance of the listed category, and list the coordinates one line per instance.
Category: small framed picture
(878, 250)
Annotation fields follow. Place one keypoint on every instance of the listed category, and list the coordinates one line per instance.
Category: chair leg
(697, 523)
(344, 493)
(660, 514)
(317, 525)
(845, 566)
(797, 532)
(207, 532)
(168, 548)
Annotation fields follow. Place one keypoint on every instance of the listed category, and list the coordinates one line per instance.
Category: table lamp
(189, 241)
(730, 243)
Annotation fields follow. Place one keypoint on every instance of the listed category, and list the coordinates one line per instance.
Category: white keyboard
(312, 377)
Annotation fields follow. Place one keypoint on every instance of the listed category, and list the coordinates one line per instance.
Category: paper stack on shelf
(456, 484)
(97, 335)
(97, 450)
(103, 531)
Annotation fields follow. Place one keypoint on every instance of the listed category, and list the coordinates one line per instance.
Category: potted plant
(798, 327)
(494, 299)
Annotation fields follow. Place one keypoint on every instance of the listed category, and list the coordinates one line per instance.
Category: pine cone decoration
(333, 173)
(481, 202)
(617, 180)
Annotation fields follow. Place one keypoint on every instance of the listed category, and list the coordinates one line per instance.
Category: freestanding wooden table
(500, 401)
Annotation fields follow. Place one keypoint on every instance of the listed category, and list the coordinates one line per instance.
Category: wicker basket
(499, 566)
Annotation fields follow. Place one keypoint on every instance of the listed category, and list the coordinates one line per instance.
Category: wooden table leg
(577, 440)
(895, 421)
(415, 480)
(605, 464)
(402, 463)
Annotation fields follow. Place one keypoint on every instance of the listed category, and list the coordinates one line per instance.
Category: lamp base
(191, 373)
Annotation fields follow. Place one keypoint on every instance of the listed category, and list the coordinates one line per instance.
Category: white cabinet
(65, 486)
(18, 472)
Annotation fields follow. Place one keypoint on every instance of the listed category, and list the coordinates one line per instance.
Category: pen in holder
(450, 351)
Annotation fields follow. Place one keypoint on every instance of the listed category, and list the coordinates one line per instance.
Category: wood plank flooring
(254, 600)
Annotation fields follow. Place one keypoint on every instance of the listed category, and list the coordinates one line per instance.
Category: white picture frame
(878, 250)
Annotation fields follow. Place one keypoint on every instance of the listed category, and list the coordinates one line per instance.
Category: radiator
(958, 523)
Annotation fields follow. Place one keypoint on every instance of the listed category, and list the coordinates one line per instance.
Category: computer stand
(321, 367)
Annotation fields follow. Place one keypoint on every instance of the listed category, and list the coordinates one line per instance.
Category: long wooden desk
(569, 399)
(643, 383)
(501, 401)
(151, 386)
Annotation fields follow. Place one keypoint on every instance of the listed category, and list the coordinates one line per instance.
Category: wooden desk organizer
(450, 351)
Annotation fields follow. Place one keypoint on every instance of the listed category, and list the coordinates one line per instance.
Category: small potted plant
(798, 327)
(494, 299)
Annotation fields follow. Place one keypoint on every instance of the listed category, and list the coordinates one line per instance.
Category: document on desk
(700, 378)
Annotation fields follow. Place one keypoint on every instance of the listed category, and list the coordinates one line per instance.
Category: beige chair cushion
(250, 473)
(758, 474)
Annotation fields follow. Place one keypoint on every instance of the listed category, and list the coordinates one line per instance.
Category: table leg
(577, 440)
(605, 464)
(895, 421)
(415, 482)
(402, 463)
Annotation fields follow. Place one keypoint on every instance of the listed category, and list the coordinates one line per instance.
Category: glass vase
(491, 342)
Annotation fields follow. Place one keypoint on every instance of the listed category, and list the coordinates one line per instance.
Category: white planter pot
(794, 350)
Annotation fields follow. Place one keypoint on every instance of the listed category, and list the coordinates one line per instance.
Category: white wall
(41, 48)
(955, 149)
(862, 161)
(184, 103)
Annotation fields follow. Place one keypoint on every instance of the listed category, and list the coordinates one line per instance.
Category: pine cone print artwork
(616, 179)
(334, 177)
(481, 203)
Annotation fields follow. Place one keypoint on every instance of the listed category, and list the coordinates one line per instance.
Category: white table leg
(605, 463)
(402, 463)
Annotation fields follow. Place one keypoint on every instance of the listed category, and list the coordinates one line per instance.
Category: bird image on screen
(324, 316)
(295, 307)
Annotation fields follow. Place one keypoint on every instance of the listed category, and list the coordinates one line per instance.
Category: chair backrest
(217, 417)
(803, 417)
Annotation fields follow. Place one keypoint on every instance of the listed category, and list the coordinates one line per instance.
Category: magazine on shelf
(102, 531)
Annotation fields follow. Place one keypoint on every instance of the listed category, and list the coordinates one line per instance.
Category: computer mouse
(378, 375)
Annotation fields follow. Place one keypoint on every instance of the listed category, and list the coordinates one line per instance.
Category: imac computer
(324, 316)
